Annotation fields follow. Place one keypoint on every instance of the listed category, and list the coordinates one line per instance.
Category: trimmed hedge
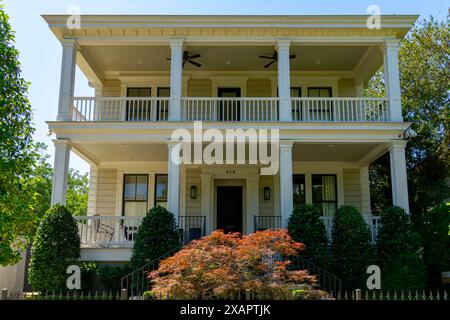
(305, 226)
(55, 247)
(157, 235)
(352, 251)
(399, 252)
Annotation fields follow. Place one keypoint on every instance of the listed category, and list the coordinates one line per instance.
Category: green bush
(433, 227)
(305, 226)
(55, 247)
(157, 235)
(102, 277)
(399, 252)
(352, 251)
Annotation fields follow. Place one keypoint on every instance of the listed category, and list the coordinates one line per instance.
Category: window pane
(130, 188)
(329, 188)
(296, 92)
(133, 209)
(161, 188)
(299, 189)
(313, 92)
(145, 92)
(141, 188)
(133, 92)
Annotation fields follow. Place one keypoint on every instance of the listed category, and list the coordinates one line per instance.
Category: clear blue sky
(40, 52)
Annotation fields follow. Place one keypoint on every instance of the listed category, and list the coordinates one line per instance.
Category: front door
(229, 108)
(229, 208)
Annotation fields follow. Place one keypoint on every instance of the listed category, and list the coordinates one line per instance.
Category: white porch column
(399, 179)
(173, 188)
(60, 171)
(392, 79)
(176, 78)
(206, 196)
(286, 190)
(67, 80)
(284, 79)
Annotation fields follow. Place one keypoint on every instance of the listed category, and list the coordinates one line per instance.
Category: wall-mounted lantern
(266, 193)
(193, 192)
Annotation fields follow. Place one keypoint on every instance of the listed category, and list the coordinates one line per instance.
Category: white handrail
(372, 221)
(242, 109)
(339, 109)
(229, 109)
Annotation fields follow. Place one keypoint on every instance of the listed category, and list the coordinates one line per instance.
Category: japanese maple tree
(222, 265)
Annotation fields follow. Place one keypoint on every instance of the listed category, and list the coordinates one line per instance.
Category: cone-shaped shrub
(55, 247)
(305, 226)
(399, 252)
(157, 235)
(352, 251)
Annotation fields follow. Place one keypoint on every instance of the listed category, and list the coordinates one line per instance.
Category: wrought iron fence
(191, 228)
(267, 222)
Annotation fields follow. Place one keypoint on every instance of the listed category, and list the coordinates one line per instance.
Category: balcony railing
(107, 231)
(118, 231)
(372, 221)
(230, 109)
(267, 222)
(213, 109)
(340, 109)
(192, 227)
(274, 222)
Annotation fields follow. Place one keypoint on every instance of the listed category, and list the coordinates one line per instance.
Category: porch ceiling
(225, 58)
(157, 152)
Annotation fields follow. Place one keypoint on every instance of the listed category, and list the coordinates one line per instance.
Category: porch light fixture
(266, 193)
(193, 192)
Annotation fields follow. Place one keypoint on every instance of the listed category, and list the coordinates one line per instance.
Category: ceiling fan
(274, 58)
(190, 58)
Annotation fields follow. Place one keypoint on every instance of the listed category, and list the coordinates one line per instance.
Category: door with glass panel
(320, 109)
(135, 200)
(137, 107)
(162, 107)
(229, 109)
(299, 189)
(324, 193)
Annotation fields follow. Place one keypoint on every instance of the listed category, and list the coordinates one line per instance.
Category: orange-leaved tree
(220, 266)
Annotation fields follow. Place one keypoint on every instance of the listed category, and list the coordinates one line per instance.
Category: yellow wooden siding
(352, 188)
(111, 88)
(266, 207)
(259, 88)
(199, 88)
(193, 206)
(346, 87)
(106, 192)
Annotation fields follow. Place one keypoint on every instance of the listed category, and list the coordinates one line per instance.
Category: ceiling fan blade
(195, 56)
(266, 57)
(292, 56)
(198, 65)
(269, 64)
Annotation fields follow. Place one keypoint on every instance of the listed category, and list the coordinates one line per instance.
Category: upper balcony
(229, 69)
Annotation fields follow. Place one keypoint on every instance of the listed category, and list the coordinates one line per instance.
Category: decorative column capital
(283, 43)
(70, 43)
(397, 145)
(286, 144)
(61, 142)
(176, 42)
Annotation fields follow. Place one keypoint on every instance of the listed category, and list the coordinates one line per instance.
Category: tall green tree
(17, 200)
(424, 57)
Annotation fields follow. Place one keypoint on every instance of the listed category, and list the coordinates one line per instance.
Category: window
(324, 193)
(135, 194)
(299, 189)
(161, 190)
(138, 109)
(321, 109)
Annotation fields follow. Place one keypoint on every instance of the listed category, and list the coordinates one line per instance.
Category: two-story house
(153, 74)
